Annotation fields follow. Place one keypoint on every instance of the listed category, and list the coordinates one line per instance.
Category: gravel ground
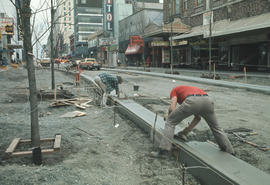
(92, 151)
(235, 109)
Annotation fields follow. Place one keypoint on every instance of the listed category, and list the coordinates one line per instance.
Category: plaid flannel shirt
(110, 81)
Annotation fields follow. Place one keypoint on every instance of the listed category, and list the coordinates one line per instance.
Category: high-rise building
(88, 18)
(64, 19)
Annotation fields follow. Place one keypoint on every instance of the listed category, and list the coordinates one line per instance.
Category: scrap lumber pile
(81, 103)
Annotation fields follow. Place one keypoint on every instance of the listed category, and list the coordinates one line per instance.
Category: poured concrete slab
(203, 160)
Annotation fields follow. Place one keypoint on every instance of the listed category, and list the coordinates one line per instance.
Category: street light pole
(171, 49)
(210, 41)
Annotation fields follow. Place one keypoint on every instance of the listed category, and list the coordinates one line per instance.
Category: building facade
(230, 34)
(88, 18)
(134, 26)
(64, 26)
(10, 42)
(104, 44)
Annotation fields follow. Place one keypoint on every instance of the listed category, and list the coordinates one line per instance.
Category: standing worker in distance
(108, 82)
(193, 101)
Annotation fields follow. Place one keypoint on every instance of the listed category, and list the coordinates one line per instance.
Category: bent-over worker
(193, 101)
(108, 82)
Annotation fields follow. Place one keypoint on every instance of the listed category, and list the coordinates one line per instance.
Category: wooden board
(73, 114)
(13, 145)
(57, 142)
(42, 140)
(44, 151)
(16, 141)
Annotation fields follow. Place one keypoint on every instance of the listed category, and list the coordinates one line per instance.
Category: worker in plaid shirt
(108, 82)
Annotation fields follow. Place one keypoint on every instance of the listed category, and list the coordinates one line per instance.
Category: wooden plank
(79, 106)
(13, 145)
(42, 140)
(57, 142)
(44, 151)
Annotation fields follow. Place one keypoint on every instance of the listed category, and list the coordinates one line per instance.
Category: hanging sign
(109, 15)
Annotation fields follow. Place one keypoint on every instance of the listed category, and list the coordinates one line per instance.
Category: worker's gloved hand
(181, 135)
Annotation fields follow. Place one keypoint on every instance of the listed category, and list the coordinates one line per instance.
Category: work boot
(181, 136)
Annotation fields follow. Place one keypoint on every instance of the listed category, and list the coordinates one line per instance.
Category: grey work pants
(195, 105)
(103, 87)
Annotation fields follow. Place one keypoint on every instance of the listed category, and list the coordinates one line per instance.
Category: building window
(185, 4)
(177, 6)
(198, 2)
(83, 1)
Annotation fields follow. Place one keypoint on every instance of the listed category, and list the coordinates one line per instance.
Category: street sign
(7, 25)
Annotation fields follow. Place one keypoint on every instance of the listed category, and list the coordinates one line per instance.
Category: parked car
(45, 62)
(89, 63)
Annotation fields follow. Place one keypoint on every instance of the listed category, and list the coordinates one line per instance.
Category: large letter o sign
(109, 17)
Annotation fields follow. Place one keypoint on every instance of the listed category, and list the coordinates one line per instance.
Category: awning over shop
(226, 27)
(229, 27)
(195, 31)
(135, 49)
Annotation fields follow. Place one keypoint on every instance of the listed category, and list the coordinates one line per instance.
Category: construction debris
(251, 143)
(73, 114)
(240, 129)
(81, 103)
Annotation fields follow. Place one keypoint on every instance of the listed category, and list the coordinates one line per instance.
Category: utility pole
(171, 49)
(210, 41)
(52, 51)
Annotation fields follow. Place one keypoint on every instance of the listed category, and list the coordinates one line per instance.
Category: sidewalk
(263, 80)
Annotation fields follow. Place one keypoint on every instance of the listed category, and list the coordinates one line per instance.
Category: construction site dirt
(104, 147)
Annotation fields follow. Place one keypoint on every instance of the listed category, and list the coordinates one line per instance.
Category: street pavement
(193, 76)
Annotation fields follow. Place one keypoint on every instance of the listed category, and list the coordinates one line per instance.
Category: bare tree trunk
(52, 51)
(28, 50)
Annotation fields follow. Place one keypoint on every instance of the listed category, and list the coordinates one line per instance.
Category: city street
(235, 108)
(95, 92)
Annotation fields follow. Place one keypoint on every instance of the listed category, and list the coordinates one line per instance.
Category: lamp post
(210, 42)
(171, 49)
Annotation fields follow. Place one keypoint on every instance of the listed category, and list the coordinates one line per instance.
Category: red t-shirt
(181, 92)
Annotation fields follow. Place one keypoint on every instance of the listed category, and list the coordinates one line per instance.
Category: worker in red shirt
(193, 101)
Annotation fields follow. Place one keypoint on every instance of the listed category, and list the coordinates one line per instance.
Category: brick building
(237, 31)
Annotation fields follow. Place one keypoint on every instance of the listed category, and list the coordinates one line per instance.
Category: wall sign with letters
(109, 15)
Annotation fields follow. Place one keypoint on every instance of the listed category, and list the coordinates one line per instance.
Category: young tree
(25, 12)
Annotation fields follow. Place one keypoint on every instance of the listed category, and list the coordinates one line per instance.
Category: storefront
(134, 51)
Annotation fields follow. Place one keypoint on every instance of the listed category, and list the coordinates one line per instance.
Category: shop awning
(132, 50)
(230, 27)
(226, 27)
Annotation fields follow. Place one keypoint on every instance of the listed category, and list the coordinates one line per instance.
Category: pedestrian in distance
(4, 61)
(192, 101)
(118, 62)
(107, 83)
